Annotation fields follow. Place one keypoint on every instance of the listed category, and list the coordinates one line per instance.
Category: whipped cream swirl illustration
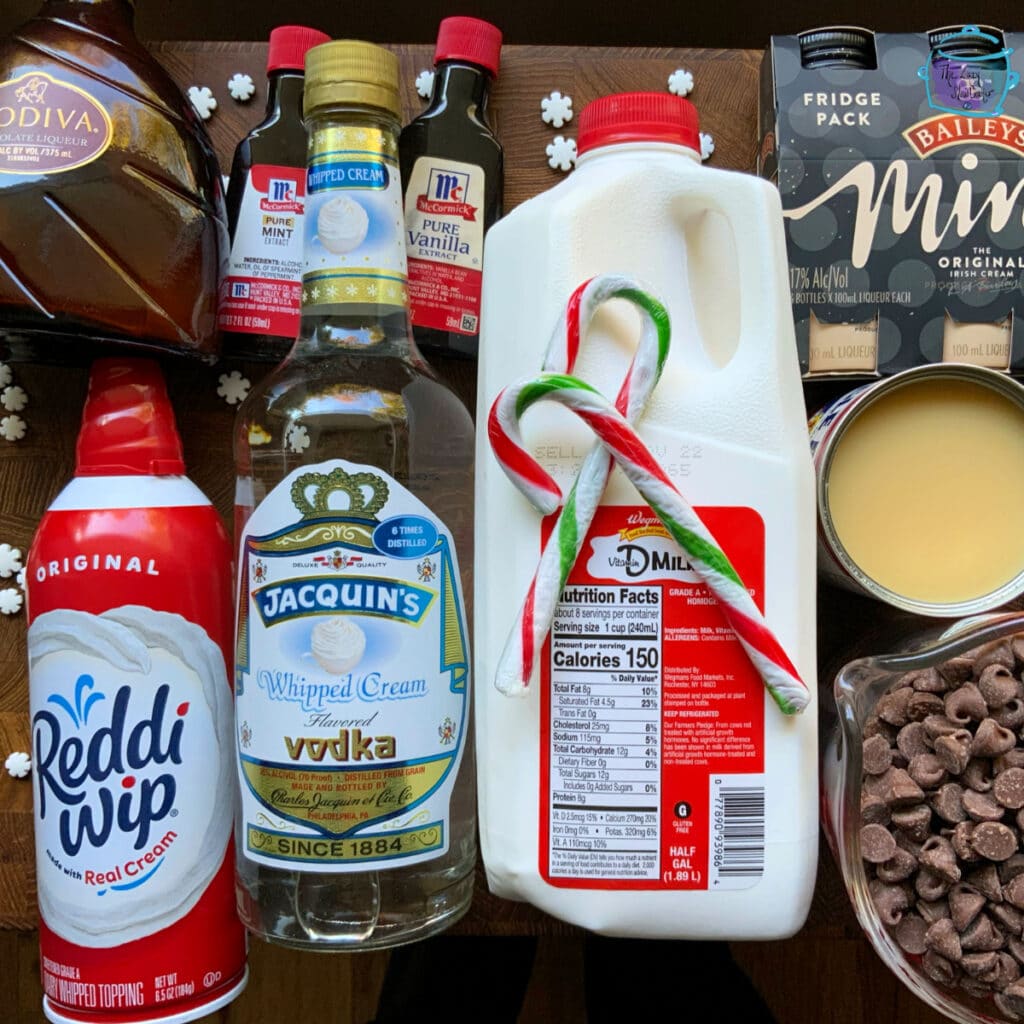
(341, 225)
(338, 644)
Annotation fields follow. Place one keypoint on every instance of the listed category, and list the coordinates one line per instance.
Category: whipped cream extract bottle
(354, 510)
(647, 784)
(129, 607)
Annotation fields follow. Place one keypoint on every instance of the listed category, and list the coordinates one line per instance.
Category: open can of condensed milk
(920, 486)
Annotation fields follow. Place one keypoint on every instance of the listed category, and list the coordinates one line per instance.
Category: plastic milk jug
(643, 782)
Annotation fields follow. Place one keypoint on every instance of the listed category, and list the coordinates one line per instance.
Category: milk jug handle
(753, 210)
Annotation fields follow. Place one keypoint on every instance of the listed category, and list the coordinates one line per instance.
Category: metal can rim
(871, 393)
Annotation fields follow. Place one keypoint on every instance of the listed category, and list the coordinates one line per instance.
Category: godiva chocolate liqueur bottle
(111, 204)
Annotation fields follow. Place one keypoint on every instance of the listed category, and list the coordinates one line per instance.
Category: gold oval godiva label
(48, 126)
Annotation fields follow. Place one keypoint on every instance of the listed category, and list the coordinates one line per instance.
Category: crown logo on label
(312, 492)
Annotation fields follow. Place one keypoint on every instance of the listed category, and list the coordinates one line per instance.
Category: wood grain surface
(826, 973)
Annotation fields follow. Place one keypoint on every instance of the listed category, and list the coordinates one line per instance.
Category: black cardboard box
(902, 186)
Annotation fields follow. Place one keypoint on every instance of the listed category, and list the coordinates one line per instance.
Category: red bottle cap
(128, 424)
(288, 46)
(471, 40)
(638, 117)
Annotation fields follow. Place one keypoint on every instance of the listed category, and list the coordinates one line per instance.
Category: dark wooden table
(827, 972)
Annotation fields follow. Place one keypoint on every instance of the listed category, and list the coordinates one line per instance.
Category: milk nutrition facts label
(606, 733)
(652, 716)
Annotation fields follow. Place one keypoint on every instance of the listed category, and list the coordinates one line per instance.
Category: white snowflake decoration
(20, 579)
(203, 100)
(5, 375)
(233, 387)
(707, 146)
(241, 87)
(14, 398)
(556, 109)
(10, 560)
(680, 82)
(561, 153)
(425, 83)
(10, 601)
(18, 764)
(12, 428)
(297, 439)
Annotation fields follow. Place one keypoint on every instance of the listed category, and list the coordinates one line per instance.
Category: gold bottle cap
(350, 72)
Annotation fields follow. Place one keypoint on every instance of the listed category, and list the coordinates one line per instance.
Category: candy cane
(516, 664)
(625, 447)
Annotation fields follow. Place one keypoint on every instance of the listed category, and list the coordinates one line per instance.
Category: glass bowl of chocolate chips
(923, 792)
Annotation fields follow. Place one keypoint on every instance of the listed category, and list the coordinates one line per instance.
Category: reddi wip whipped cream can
(130, 622)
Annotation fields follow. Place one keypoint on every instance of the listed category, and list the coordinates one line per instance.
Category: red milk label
(652, 717)
(130, 616)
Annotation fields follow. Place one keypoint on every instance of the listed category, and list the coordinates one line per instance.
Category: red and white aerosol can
(130, 624)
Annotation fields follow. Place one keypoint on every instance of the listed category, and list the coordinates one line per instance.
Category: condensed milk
(920, 486)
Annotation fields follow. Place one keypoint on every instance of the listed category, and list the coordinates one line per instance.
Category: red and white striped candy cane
(626, 448)
(515, 667)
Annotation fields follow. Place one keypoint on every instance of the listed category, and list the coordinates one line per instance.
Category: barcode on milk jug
(737, 831)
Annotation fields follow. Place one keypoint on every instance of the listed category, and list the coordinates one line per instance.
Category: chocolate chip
(912, 739)
(977, 965)
(932, 910)
(1011, 1009)
(899, 789)
(956, 670)
(915, 822)
(1016, 947)
(998, 686)
(965, 904)
(876, 755)
(1009, 970)
(1011, 868)
(929, 885)
(873, 809)
(1007, 917)
(1008, 788)
(910, 934)
(986, 881)
(1011, 714)
(1013, 892)
(999, 652)
(978, 775)
(876, 844)
(981, 936)
(927, 771)
(938, 856)
(939, 969)
(981, 807)
(994, 841)
(876, 727)
(954, 750)
(965, 705)
(921, 705)
(898, 868)
(948, 803)
(892, 706)
(890, 901)
(992, 739)
(960, 838)
(943, 938)
(1011, 759)
(925, 680)
(938, 725)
